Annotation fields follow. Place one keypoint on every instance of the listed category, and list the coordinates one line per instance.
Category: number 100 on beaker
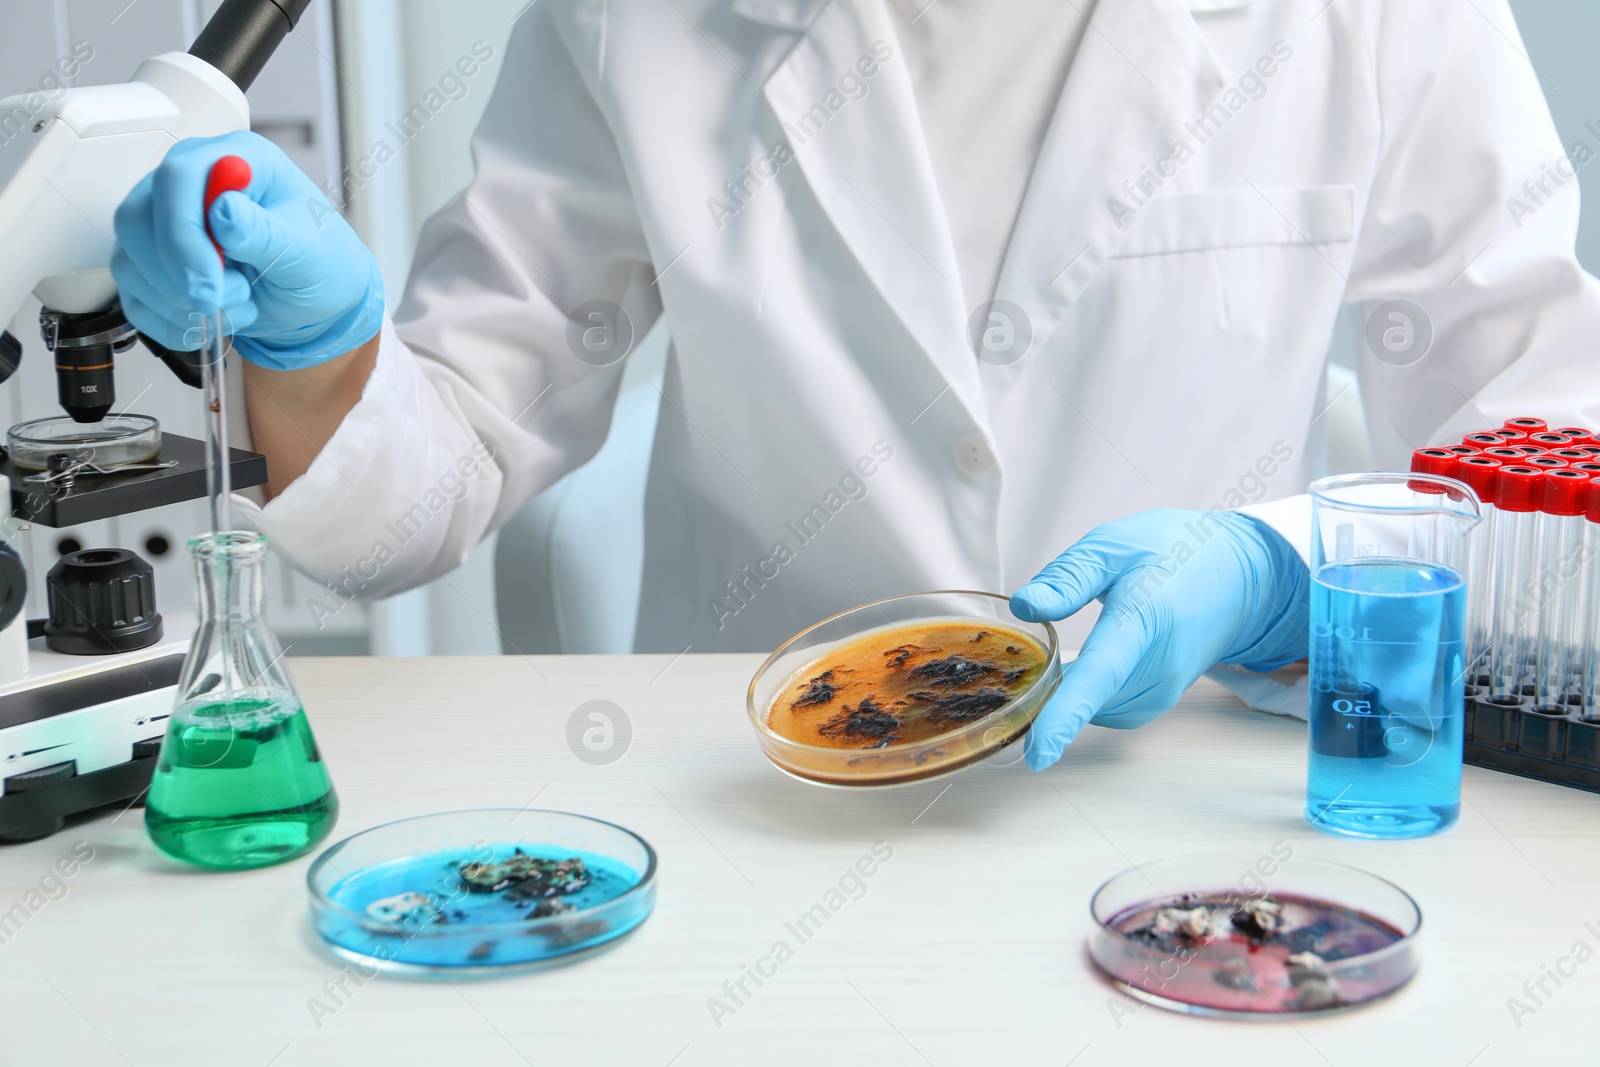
(1388, 615)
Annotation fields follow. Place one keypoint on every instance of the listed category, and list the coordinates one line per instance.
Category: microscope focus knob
(102, 600)
(13, 583)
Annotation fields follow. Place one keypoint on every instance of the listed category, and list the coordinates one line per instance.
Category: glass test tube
(1481, 473)
(1518, 493)
(1439, 461)
(1589, 613)
(1559, 587)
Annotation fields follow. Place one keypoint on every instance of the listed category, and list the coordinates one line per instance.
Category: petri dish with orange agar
(903, 690)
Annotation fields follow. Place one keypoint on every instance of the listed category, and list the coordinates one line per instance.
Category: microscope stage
(105, 496)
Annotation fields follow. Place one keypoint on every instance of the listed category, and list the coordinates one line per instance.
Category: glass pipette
(212, 382)
(230, 173)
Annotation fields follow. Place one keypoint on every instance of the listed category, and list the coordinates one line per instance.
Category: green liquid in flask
(240, 782)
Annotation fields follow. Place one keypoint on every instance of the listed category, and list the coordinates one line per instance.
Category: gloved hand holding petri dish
(1182, 591)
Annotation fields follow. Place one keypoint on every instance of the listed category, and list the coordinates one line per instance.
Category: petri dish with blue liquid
(479, 893)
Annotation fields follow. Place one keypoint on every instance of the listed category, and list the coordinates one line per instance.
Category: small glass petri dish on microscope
(481, 893)
(117, 439)
(1254, 936)
(903, 690)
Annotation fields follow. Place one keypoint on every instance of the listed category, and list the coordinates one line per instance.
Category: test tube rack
(1522, 741)
(1506, 727)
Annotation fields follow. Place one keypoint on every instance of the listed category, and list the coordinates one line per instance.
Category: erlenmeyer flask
(240, 782)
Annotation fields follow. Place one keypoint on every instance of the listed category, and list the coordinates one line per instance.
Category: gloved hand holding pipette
(1182, 590)
(299, 287)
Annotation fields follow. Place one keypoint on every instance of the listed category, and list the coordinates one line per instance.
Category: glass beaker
(1388, 615)
(240, 782)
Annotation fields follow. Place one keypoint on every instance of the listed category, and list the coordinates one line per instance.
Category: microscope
(85, 693)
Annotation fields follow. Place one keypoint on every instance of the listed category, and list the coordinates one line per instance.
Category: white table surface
(143, 962)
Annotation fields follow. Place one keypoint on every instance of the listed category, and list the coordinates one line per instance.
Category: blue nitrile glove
(299, 287)
(1182, 590)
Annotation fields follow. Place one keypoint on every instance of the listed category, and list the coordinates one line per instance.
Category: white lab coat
(1178, 334)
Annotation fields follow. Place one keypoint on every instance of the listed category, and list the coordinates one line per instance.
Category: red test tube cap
(1548, 463)
(1527, 424)
(1549, 440)
(1566, 492)
(1519, 488)
(1530, 450)
(1480, 472)
(1593, 512)
(1511, 437)
(1589, 466)
(1482, 439)
(1504, 454)
(1571, 455)
(1439, 461)
(1575, 432)
(1462, 450)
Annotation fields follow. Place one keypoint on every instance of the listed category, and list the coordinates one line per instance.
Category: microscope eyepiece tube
(243, 34)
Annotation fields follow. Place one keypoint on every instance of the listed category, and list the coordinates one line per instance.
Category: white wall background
(391, 53)
(1561, 36)
(362, 63)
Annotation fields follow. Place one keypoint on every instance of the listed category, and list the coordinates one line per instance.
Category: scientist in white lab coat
(951, 287)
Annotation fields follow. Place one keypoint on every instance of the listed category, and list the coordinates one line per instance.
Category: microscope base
(80, 732)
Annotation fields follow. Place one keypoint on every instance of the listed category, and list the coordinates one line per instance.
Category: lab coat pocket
(1199, 221)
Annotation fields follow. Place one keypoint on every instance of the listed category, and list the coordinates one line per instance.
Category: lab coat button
(973, 455)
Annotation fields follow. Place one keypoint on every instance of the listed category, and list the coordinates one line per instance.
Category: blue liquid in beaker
(1386, 697)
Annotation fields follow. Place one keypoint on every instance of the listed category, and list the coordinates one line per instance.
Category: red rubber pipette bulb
(228, 174)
